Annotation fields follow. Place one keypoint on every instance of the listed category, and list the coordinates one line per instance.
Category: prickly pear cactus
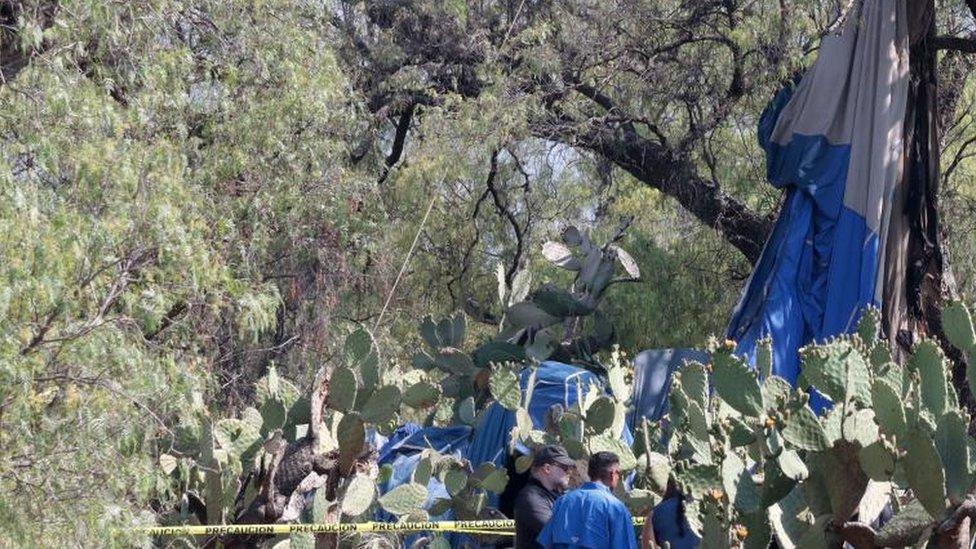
(754, 461)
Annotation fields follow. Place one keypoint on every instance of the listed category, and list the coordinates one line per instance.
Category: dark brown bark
(675, 175)
(927, 285)
(399, 140)
(957, 43)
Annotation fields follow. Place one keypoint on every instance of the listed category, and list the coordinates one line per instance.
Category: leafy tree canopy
(193, 191)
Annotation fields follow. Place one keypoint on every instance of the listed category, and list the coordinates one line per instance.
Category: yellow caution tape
(484, 527)
(485, 532)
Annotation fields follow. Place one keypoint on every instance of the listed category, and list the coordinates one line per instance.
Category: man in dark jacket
(548, 479)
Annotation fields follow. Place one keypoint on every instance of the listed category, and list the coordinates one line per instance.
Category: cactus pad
(694, 383)
(273, 415)
(454, 361)
(450, 331)
(776, 392)
(382, 405)
(736, 383)
(699, 480)
(739, 487)
(951, 443)
(658, 470)
(600, 414)
(559, 302)
(906, 528)
(869, 327)
(929, 363)
(958, 326)
(925, 477)
(421, 395)
(791, 465)
(877, 461)
(838, 371)
(466, 413)
(604, 442)
(803, 430)
(238, 437)
(342, 389)
(764, 357)
(359, 496)
(888, 408)
(860, 427)
(404, 499)
(360, 355)
(455, 481)
(495, 481)
(504, 385)
(351, 435)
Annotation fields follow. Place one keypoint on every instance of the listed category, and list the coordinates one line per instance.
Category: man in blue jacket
(590, 517)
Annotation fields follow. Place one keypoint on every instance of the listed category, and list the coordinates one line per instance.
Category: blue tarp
(402, 452)
(833, 144)
(555, 383)
(411, 439)
(671, 526)
(404, 448)
(653, 369)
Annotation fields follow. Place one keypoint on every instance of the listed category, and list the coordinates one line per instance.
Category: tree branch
(449, 69)
(664, 169)
(469, 304)
(677, 177)
(503, 210)
(399, 140)
(955, 43)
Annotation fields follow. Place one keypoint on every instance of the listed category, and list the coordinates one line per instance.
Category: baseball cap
(551, 454)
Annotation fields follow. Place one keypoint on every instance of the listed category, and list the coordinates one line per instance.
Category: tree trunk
(926, 279)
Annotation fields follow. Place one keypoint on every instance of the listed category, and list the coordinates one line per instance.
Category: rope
(406, 260)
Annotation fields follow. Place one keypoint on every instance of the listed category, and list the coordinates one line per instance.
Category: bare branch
(955, 43)
(668, 171)
(399, 139)
(505, 212)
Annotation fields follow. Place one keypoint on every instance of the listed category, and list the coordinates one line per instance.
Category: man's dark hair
(599, 465)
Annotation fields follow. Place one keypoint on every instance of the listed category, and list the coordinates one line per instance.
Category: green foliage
(359, 496)
(192, 213)
(827, 462)
(404, 499)
(803, 430)
(145, 198)
(505, 388)
(735, 382)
